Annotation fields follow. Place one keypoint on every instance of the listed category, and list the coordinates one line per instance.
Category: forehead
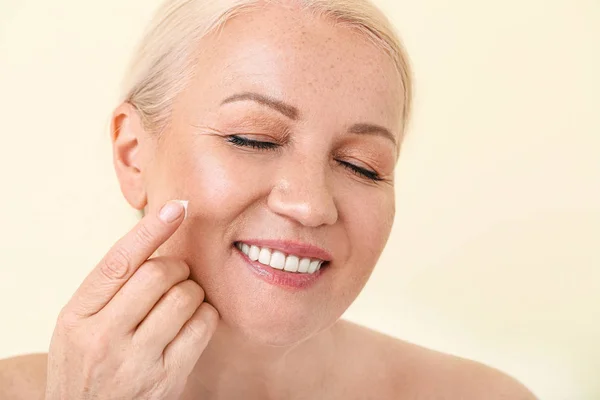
(307, 61)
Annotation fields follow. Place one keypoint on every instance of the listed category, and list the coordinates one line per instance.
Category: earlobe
(127, 134)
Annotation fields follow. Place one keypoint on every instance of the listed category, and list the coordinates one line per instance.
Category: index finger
(125, 257)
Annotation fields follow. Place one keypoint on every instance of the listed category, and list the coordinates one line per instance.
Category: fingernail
(184, 203)
(173, 210)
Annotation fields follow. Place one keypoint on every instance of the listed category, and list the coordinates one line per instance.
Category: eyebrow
(292, 113)
(289, 111)
(372, 129)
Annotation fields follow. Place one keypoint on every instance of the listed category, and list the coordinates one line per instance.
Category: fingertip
(173, 210)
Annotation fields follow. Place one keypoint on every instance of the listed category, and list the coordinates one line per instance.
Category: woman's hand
(135, 327)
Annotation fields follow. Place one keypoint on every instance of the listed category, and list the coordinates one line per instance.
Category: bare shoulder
(23, 377)
(398, 368)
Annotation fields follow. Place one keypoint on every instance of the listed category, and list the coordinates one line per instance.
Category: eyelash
(243, 142)
(361, 172)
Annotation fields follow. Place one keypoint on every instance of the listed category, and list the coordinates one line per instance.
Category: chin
(270, 317)
(277, 330)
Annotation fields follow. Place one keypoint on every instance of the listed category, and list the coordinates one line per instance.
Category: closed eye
(255, 144)
(361, 172)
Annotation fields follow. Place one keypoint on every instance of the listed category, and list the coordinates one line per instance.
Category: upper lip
(291, 247)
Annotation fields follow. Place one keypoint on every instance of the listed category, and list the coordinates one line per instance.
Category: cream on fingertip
(184, 203)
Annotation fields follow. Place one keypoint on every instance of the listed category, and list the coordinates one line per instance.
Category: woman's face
(285, 139)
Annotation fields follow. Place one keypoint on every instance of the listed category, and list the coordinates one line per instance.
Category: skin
(269, 342)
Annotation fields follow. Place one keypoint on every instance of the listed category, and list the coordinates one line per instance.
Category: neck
(233, 367)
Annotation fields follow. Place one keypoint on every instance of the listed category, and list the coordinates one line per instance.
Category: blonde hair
(163, 62)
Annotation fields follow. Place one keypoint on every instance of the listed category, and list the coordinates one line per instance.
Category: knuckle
(183, 297)
(182, 265)
(156, 270)
(97, 343)
(98, 348)
(116, 264)
(198, 328)
(67, 321)
(164, 269)
(143, 236)
(176, 265)
(197, 289)
(209, 314)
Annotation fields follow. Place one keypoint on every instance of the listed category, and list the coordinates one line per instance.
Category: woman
(279, 125)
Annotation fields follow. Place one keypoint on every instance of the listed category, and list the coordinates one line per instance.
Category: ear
(127, 135)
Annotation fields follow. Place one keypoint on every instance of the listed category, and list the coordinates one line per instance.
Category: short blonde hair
(163, 62)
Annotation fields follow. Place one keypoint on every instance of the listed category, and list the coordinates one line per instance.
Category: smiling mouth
(281, 261)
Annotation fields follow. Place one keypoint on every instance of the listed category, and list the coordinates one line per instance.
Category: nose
(304, 195)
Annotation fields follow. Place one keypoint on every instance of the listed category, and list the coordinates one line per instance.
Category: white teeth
(278, 260)
(313, 266)
(291, 264)
(304, 264)
(265, 256)
(253, 253)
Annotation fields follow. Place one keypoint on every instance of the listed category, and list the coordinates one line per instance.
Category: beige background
(495, 253)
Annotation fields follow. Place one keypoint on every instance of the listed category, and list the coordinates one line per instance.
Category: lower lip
(276, 277)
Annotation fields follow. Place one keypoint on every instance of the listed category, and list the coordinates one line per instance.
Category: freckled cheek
(222, 185)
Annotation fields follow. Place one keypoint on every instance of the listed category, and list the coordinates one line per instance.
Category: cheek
(369, 222)
(218, 185)
(367, 218)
